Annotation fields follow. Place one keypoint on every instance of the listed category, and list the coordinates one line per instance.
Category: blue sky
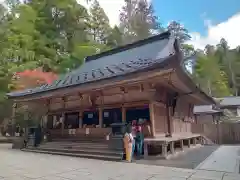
(207, 21)
(222, 17)
(192, 13)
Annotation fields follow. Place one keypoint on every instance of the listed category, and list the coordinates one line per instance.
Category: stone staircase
(207, 141)
(93, 148)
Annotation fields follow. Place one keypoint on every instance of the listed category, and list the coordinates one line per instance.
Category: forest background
(43, 39)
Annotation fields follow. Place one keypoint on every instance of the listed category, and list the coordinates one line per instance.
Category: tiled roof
(205, 109)
(229, 101)
(117, 62)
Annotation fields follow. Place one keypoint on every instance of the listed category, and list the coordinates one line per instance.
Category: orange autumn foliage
(33, 78)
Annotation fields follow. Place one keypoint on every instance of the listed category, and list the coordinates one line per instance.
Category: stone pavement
(189, 159)
(18, 165)
(225, 158)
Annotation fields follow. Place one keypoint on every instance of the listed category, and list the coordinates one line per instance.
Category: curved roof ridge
(158, 37)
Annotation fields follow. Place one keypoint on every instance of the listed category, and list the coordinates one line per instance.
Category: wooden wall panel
(183, 116)
(55, 106)
(72, 104)
(160, 119)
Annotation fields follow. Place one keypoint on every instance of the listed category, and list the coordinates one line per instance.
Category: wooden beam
(159, 104)
(152, 118)
(106, 106)
(123, 90)
(152, 85)
(93, 87)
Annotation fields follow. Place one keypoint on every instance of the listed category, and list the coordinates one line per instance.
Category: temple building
(144, 80)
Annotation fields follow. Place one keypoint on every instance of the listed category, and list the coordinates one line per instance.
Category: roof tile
(116, 62)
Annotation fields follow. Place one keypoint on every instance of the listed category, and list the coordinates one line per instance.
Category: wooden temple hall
(141, 81)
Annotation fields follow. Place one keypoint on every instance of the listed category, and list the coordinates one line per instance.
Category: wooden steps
(85, 149)
(90, 156)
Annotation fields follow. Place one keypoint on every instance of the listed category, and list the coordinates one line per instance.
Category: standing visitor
(17, 131)
(128, 143)
(139, 139)
(134, 132)
(38, 135)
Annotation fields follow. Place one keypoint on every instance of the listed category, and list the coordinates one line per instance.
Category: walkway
(225, 158)
(189, 159)
(17, 165)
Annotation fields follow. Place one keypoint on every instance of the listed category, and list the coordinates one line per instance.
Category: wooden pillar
(63, 116)
(189, 143)
(196, 118)
(217, 117)
(181, 144)
(101, 109)
(201, 139)
(100, 117)
(164, 150)
(194, 141)
(80, 119)
(13, 122)
(45, 119)
(145, 149)
(152, 118)
(124, 114)
(172, 147)
(63, 122)
(123, 91)
(169, 121)
(47, 104)
(25, 117)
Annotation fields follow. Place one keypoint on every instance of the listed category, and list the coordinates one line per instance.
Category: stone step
(105, 152)
(77, 143)
(90, 156)
(68, 146)
(85, 144)
(80, 139)
(80, 146)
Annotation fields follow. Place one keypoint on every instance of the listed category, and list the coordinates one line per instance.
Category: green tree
(138, 20)
(179, 31)
(210, 77)
(114, 39)
(61, 27)
(229, 61)
(99, 23)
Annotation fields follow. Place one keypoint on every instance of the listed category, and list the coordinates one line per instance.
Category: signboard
(106, 114)
(90, 116)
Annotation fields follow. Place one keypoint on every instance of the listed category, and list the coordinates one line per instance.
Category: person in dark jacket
(38, 135)
(139, 139)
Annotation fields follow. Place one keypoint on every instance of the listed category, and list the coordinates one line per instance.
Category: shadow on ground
(189, 160)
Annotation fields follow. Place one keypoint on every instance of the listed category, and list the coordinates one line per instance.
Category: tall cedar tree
(137, 20)
(99, 23)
